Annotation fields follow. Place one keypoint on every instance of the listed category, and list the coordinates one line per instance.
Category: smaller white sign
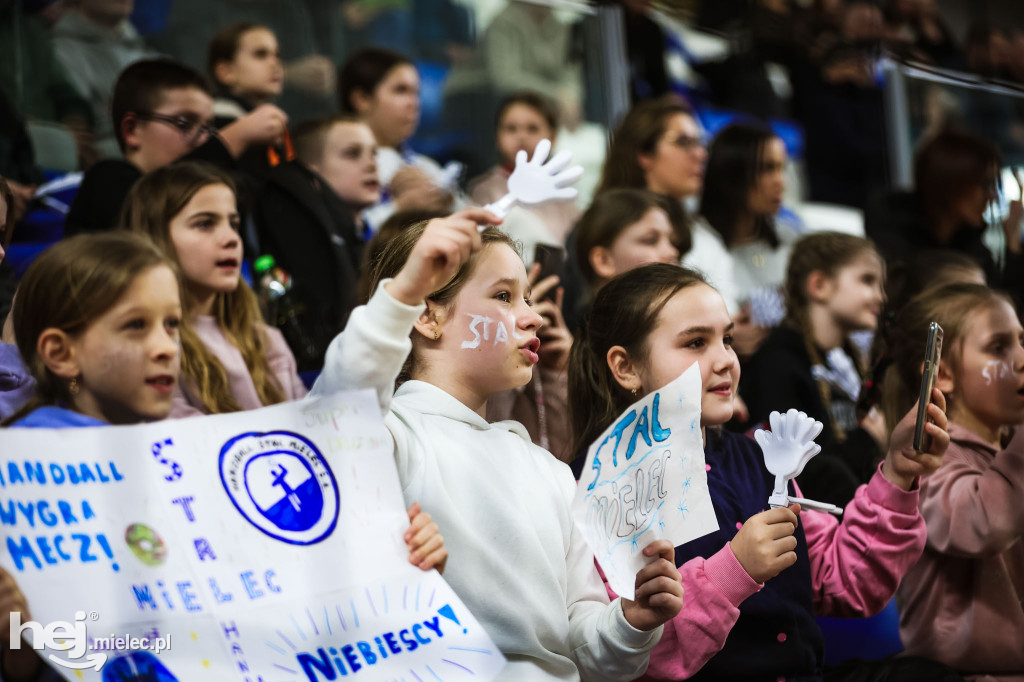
(644, 480)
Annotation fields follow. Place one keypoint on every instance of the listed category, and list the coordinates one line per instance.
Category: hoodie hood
(429, 399)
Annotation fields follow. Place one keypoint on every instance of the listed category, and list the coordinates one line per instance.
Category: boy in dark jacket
(308, 218)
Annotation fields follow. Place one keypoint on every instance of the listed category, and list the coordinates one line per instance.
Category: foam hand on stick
(787, 448)
(534, 181)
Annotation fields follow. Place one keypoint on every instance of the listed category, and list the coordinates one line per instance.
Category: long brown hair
(951, 306)
(624, 313)
(828, 253)
(68, 287)
(394, 255)
(151, 205)
(637, 134)
(735, 161)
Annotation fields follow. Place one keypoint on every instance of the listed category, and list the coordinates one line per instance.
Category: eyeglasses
(189, 128)
(687, 142)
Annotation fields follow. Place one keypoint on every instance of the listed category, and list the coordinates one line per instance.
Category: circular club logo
(281, 484)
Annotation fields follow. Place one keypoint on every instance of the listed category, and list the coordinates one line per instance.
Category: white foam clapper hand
(534, 181)
(787, 448)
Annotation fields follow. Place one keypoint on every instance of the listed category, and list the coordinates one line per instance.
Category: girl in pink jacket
(754, 587)
(962, 603)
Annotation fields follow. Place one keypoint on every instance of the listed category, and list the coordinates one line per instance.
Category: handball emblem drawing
(282, 485)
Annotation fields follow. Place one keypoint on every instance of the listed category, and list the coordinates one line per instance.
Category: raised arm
(857, 565)
(371, 350)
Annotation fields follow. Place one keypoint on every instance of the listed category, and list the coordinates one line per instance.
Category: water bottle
(281, 307)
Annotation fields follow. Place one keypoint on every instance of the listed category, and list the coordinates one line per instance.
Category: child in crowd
(97, 319)
(757, 582)
(244, 64)
(524, 119)
(231, 360)
(833, 288)
(624, 229)
(308, 218)
(459, 301)
(162, 111)
(382, 87)
(961, 603)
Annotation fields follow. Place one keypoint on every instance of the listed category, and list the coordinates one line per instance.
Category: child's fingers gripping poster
(263, 545)
(644, 480)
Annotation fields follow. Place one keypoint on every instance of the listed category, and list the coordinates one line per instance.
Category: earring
(437, 335)
(635, 391)
(73, 386)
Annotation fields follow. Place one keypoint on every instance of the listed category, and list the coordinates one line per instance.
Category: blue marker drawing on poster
(291, 508)
(137, 666)
(647, 480)
(259, 550)
(330, 652)
(282, 485)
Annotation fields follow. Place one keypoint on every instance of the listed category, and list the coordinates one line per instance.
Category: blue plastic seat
(870, 639)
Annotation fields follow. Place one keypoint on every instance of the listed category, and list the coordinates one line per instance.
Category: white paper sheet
(645, 480)
(267, 544)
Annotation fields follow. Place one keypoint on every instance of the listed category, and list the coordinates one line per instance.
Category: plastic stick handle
(817, 506)
(501, 207)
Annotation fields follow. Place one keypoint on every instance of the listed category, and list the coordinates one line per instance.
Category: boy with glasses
(162, 111)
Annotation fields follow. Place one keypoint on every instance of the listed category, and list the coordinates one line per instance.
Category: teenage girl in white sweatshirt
(459, 301)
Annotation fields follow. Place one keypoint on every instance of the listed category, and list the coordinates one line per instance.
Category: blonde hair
(151, 205)
(952, 307)
(68, 287)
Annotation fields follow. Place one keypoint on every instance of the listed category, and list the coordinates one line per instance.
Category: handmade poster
(645, 480)
(262, 545)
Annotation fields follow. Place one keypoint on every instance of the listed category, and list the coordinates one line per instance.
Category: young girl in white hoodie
(524, 569)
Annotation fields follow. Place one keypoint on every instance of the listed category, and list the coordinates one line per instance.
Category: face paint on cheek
(476, 322)
(994, 370)
(501, 334)
(480, 327)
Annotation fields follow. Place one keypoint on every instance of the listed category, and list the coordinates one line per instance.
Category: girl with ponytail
(833, 289)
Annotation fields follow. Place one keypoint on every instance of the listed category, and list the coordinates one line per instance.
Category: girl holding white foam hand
(763, 576)
(523, 568)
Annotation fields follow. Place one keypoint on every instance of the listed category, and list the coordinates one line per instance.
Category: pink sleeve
(857, 565)
(282, 364)
(713, 590)
(973, 504)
